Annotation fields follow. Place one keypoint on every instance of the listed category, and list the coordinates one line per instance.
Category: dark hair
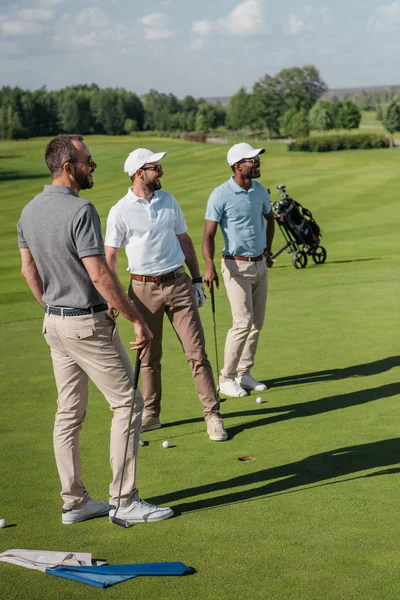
(61, 150)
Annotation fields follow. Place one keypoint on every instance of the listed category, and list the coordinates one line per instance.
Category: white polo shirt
(148, 231)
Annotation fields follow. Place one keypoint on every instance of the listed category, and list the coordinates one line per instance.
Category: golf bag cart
(299, 229)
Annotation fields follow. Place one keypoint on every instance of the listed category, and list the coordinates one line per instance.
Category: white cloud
(157, 26)
(245, 19)
(51, 2)
(36, 14)
(202, 28)
(8, 49)
(197, 43)
(94, 18)
(20, 28)
(90, 29)
(386, 18)
(306, 20)
(296, 26)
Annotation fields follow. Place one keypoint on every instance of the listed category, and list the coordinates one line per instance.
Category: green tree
(201, 125)
(349, 115)
(238, 110)
(299, 87)
(392, 120)
(320, 117)
(300, 124)
(130, 125)
(285, 122)
(265, 105)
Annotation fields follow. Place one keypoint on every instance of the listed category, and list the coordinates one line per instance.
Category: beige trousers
(246, 284)
(90, 347)
(176, 299)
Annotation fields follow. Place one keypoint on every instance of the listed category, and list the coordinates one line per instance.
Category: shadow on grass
(363, 370)
(302, 409)
(331, 262)
(15, 176)
(309, 471)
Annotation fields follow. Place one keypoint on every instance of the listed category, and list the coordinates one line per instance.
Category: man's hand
(143, 338)
(200, 294)
(211, 276)
(113, 311)
(268, 258)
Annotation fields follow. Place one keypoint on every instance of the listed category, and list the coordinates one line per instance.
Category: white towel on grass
(40, 560)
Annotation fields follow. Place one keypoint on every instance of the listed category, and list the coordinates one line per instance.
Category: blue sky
(208, 48)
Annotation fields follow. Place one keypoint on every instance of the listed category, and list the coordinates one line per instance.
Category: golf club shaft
(215, 329)
(135, 386)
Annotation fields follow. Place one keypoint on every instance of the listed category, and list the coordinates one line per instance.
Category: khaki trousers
(90, 347)
(176, 299)
(246, 284)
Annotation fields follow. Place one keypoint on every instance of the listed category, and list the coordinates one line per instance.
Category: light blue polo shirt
(240, 216)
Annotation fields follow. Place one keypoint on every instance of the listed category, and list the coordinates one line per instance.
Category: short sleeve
(215, 207)
(180, 221)
(21, 239)
(266, 203)
(115, 230)
(86, 232)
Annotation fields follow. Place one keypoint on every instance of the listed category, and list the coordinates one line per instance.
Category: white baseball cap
(242, 150)
(139, 157)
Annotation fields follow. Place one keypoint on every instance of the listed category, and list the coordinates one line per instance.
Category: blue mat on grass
(108, 575)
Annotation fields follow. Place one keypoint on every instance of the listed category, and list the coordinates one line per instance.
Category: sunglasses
(255, 160)
(89, 162)
(157, 168)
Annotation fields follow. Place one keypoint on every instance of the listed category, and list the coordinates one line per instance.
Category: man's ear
(67, 167)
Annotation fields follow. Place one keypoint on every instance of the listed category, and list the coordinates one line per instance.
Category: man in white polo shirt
(150, 225)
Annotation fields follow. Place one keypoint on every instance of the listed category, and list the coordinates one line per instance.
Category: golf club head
(120, 522)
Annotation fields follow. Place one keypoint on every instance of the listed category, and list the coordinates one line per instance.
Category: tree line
(89, 109)
(288, 104)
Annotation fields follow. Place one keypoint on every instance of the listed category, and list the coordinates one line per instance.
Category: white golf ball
(165, 444)
(259, 400)
(3, 523)
(141, 443)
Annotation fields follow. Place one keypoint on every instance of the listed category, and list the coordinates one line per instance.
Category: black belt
(60, 311)
(245, 258)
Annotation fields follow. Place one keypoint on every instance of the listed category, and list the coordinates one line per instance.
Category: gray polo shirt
(60, 229)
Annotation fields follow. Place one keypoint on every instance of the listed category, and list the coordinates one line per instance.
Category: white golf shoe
(89, 510)
(230, 387)
(141, 511)
(248, 382)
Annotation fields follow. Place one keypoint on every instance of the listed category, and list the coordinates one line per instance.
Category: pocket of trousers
(81, 333)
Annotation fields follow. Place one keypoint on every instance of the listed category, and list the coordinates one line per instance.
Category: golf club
(114, 519)
(215, 335)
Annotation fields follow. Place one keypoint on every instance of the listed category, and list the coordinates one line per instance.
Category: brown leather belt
(156, 278)
(245, 258)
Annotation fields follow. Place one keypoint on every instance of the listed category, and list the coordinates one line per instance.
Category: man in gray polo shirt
(63, 261)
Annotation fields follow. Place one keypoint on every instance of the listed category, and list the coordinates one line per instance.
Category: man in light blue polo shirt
(242, 208)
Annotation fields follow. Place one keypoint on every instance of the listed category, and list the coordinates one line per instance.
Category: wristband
(197, 280)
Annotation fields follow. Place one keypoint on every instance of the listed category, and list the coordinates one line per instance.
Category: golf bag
(300, 230)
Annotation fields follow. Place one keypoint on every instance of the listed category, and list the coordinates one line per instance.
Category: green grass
(315, 514)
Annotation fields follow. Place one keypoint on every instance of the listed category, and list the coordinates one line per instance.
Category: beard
(155, 185)
(255, 172)
(85, 182)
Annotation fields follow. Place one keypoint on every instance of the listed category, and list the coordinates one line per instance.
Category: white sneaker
(231, 388)
(90, 510)
(141, 511)
(248, 382)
